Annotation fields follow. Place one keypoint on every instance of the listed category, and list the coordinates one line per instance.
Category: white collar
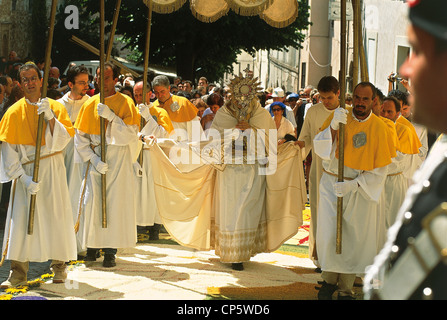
(364, 120)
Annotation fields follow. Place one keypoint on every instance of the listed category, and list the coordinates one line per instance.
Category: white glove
(137, 168)
(105, 112)
(144, 110)
(100, 166)
(343, 188)
(340, 116)
(31, 186)
(44, 107)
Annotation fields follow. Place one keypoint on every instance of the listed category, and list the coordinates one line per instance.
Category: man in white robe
(78, 83)
(241, 198)
(240, 222)
(157, 125)
(52, 236)
(366, 156)
(181, 111)
(395, 175)
(329, 90)
(396, 184)
(122, 125)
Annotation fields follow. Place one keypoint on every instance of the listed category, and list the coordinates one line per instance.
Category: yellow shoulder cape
(367, 144)
(121, 104)
(162, 118)
(186, 109)
(413, 139)
(393, 134)
(19, 124)
(408, 139)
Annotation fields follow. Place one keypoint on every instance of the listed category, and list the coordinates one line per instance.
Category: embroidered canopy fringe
(209, 11)
(281, 13)
(249, 7)
(276, 13)
(165, 6)
(240, 245)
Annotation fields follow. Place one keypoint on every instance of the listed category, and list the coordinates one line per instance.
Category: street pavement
(164, 270)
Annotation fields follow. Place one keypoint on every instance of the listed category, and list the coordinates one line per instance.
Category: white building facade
(385, 41)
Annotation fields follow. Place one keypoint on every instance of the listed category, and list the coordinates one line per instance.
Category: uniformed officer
(412, 264)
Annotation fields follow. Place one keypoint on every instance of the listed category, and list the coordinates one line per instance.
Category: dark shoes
(91, 255)
(237, 266)
(345, 297)
(326, 291)
(109, 261)
(154, 232)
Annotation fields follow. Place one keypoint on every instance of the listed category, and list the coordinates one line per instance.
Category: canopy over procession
(230, 170)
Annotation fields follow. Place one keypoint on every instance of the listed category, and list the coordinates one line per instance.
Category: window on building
(303, 74)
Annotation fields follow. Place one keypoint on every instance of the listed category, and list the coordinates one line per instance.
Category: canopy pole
(112, 30)
(146, 66)
(41, 117)
(101, 119)
(341, 132)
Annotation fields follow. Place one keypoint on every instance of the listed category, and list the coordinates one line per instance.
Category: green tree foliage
(40, 27)
(193, 47)
(65, 50)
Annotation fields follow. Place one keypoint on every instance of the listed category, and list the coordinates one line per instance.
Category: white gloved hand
(105, 112)
(44, 107)
(100, 166)
(149, 141)
(31, 186)
(340, 116)
(137, 168)
(144, 110)
(343, 188)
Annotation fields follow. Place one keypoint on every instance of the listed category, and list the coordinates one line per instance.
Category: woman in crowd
(286, 131)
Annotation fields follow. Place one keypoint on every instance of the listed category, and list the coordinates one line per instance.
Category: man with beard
(410, 265)
(78, 82)
(367, 153)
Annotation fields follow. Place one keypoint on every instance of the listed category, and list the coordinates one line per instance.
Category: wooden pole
(363, 62)
(341, 132)
(94, 50)
(146, 52)
(146, 66)
(356, 30)
(41, 118)
(102, 120)
(362, 56)
(112, 30)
